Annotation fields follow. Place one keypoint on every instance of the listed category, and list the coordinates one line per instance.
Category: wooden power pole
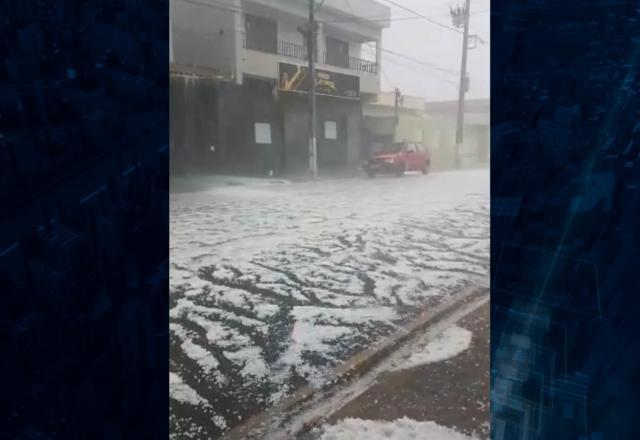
(312, 35)
(464, 80)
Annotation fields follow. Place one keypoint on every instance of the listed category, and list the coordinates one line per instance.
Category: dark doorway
(337, 52)
(261, 34)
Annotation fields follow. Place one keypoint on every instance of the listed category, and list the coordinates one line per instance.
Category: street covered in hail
(274, 284)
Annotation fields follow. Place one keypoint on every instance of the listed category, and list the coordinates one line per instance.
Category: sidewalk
(341, 173)
(183, 184)
(195, 183)
(203, 182)
(443, 392)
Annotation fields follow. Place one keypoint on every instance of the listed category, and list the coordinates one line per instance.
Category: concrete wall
(440, 136)
(205, 113)
(411, 128)
(296, 133)
(332, 153)
(385, 101)
(240, 109)
(204, 36)
(266, 65)
(193, 125)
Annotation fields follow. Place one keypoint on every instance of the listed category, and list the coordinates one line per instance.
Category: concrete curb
(357, 365)
(180, 185)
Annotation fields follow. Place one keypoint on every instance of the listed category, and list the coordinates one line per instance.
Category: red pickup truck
(398, 158)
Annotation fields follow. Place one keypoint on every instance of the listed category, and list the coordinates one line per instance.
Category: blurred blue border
(565, 219)
(84, 219)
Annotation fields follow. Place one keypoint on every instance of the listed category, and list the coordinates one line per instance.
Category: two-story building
(239, 86)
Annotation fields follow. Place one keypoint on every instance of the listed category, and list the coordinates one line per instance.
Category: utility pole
(312, 35)
(396, 103)
(170, 33)
(461, 18)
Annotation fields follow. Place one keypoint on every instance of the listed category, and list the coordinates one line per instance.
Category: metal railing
(352, 63)
(363, 65)
(292, 50)
(299, 51)
(284, 48)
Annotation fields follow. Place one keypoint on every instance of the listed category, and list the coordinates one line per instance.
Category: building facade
(239, 81)
(441, 135)
(384, 124)
(432, 123)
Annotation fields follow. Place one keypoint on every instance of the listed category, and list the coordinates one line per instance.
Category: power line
(357, 19)
(476, 11)
(384, 73)
(424, 17)
(230, 8)
(417, 61)
(369, 19)
(215, 5)
(429, 19)
(385, 19)
(422, 72)
(423, 63)
(381, 19)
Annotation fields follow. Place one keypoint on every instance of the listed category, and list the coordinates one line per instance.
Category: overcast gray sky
(437, 48)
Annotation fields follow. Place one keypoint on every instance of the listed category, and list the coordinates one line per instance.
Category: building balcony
(279, 47)
(292, 50)
(298, 51)
(351, 63)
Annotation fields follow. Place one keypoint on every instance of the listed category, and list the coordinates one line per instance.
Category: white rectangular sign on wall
(330, 130)
(263, 133)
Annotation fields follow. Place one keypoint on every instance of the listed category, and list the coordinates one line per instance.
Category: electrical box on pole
(397, 97)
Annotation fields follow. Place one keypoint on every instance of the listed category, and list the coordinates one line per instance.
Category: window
(330, 130)
(261, 34)
(263, 133)
(337, 52)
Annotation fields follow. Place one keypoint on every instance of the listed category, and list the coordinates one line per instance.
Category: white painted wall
(213, 37)
(355, 49)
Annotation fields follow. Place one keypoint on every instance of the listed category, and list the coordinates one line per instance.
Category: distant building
(239, 82)
(383, 126)
(432, 123)
(442, 133)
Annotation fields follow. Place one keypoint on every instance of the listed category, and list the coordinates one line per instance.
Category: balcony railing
(293, 50)
(352, 63)
(363, 65)
(279, 47)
